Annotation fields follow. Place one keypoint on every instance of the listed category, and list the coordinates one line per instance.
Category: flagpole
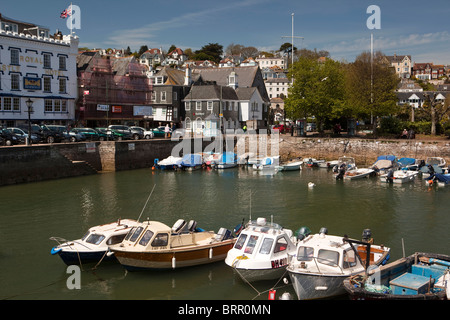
(71, 21)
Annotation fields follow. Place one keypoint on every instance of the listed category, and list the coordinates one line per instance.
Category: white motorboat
(267, 163)
(357, 173)
(328, 164)
(436, 161)
(322, 262)
(385, 163)
(399, 176)
(291, 166)
(94, 245)
(169, 163)
(347, 163)
(261, 251)
(191, 162)
(226, 160)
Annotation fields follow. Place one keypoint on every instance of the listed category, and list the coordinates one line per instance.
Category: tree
(437, 110)
(212, 50)
(317, 90)
(287, 47)
(172, 47)
(370, 87)
(142, 49)
(127, 51)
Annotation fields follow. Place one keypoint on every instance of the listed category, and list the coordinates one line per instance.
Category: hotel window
(236, 106)
(210, 105)
(153, 97)
(47, 61)
(15, 83)
(62, 63)
(57, 106)
(62, 85)
(187, 106)
(6, 26)
(198, 105)
(7, 104)
(47, 84)
(16, 104)
(63, 105)
(14, 56)
(163, 96)
(48, 105)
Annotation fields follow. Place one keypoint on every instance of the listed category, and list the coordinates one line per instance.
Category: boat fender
(210, 253)
(55, 250)
(173, 262)
(272, 294)
(110, 253)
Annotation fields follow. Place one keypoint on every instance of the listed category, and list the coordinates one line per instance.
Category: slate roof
(211, 92)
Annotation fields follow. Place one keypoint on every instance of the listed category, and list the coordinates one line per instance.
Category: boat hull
(176, 258)
(77, 258)
(252, 275)
(317, 286)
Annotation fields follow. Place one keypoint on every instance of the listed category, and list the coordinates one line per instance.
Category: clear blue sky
(415, 27)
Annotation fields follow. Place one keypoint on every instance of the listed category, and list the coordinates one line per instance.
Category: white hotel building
(37, 66)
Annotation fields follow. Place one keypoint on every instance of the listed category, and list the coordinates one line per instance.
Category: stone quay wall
(22, 164)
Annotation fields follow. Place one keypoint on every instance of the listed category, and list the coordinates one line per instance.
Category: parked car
(138, 132)
(8, 137)
(281, 127)
(311, 127)
(44, 133)
(89, 133)
(105, 134)
(120, 132)
(68, 135)
(148, 134)
(23, 135)
(160, 131)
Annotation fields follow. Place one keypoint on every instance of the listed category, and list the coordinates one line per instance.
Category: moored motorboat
(261, 251)
(384, 163)
(191, 162)
(226, 160)
(322, 262)
(358, 173)
(399, 176)
(291, 166)
(267, 163)
(93, 246)
(169, 163)
(154, 245)
(420, 276)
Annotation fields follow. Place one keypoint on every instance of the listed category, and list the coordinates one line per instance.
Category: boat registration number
(278, 263)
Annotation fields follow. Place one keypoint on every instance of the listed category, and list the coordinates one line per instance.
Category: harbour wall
(22, 164)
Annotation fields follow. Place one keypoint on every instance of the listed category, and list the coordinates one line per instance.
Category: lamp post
(29, 103)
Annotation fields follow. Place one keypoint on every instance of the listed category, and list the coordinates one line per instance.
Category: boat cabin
(261, 240)
(154, 235)
(109, 234)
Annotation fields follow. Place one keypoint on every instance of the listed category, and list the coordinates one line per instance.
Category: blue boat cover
(190, 160)
(406, 161)
(228, 157)
(388, 157)
(443, 177)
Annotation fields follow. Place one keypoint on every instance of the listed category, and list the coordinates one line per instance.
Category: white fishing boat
(385, 163)
(191, 162)
(358, 173)
(399, 176)
(322, 262)
(291, 166)
(94, 245)
(436, 161)
(347, 163)
(327, 164)
(226, 160)
(267, 163)
(169, 163)
(261, 251)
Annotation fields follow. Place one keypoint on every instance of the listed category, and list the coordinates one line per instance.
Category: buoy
(272, 294)
(285, 296)
(153, 168)
(311, 185)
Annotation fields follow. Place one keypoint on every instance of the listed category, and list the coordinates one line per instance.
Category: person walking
(166, 131)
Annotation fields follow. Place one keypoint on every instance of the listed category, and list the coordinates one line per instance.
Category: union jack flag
(66, 13)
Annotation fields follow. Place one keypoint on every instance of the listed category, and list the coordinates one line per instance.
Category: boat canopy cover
(228, 157)
(383, 164)
(192, 159)
(388, 157)
(406, 161)
(443, 177)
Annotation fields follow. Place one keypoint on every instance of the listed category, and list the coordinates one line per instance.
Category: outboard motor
(223, 234)
(366, 235)
(341, 171)
(178, 226)
(390, 175)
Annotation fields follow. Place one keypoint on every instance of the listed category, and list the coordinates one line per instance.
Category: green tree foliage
(370, 87)
(318, 90)
(211, 51)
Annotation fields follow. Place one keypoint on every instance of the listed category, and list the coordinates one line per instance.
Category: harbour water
(407, 218)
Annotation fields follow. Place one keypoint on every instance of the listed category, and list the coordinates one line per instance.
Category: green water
(414, 214)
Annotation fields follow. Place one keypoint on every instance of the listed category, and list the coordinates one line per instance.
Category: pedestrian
(166, 131)
(244, 128)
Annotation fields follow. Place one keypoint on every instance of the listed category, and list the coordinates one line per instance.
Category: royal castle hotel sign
(38, 66)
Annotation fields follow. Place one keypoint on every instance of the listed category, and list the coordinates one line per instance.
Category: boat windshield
(240, 242)
(328, 257)
(146, 238)
(251, 244)
(266, 246)
(136, 234)
(95, 238)
(305, 254)
(161, 240)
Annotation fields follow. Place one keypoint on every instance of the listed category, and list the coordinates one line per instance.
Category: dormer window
(7, 26)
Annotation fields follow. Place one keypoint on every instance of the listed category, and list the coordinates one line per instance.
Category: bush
(391, 125)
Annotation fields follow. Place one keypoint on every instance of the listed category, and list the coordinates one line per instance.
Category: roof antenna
(146, 203)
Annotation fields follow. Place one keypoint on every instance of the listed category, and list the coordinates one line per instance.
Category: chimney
(187, 77)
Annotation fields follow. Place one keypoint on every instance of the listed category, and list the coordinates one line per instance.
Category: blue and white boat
(410, 163)
(169, 163)
(226, 160)
(191, 162)
(384, 163)
(94, 245)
